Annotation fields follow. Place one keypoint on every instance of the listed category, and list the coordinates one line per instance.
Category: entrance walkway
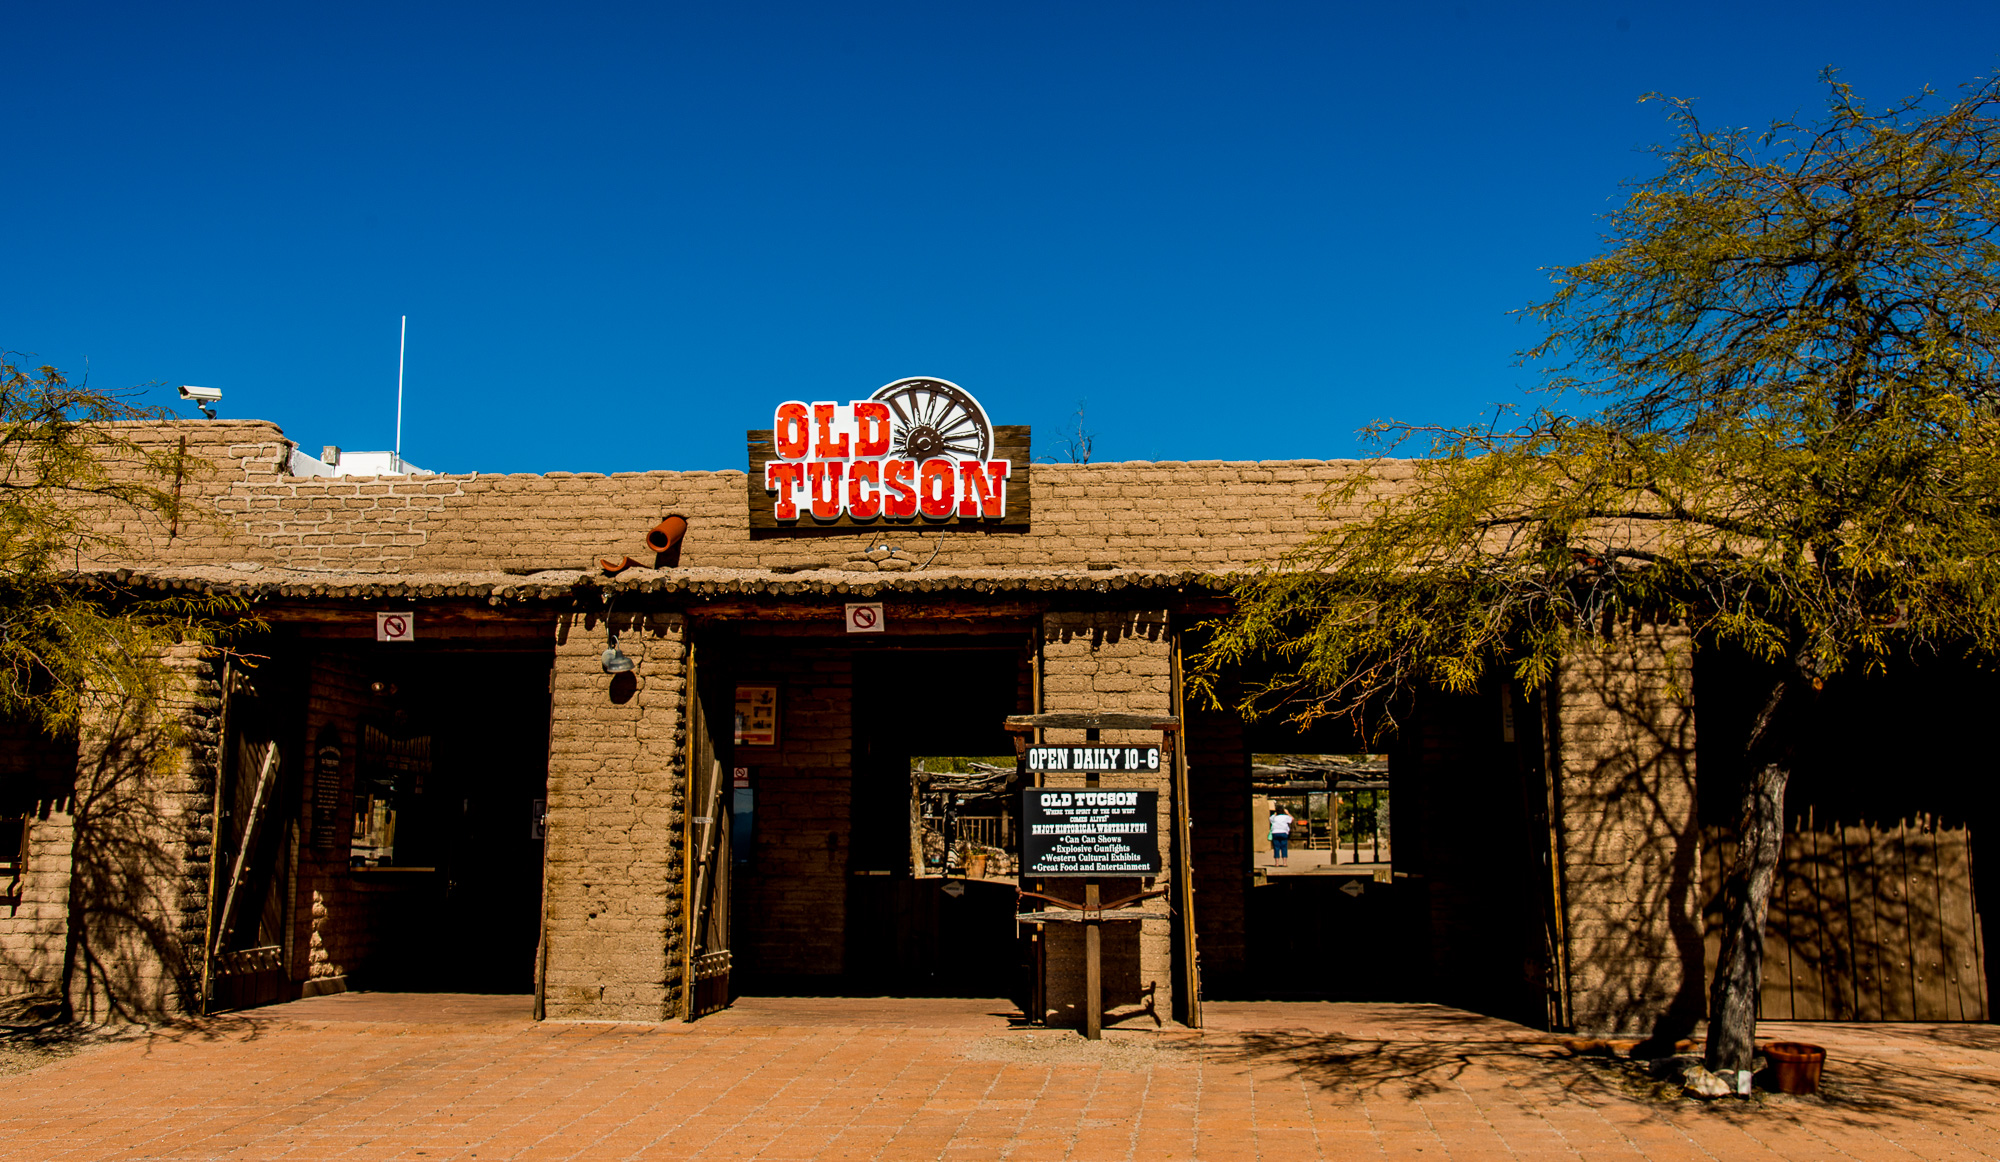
(366, 1076)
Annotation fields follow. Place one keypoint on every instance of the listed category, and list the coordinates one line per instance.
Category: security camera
(202, 397)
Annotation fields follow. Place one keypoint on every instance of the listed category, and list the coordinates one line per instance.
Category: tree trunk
(1760, 832)
(1739, 968)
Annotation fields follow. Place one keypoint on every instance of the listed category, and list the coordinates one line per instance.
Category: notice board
(1074, 831)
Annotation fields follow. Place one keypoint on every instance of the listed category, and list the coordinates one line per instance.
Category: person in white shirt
(1281, 833)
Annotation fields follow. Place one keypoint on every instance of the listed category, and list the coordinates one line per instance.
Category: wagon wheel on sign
(936, 419)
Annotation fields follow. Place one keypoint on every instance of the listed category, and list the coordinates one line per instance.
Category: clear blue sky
(623, 233)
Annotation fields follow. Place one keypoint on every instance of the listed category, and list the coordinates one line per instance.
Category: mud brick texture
(117, 882)
(1631, 839)
(36, 773)
(112, 912)
(242, 507)
(616, 796)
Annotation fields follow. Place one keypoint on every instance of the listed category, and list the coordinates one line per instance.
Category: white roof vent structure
(332, 461)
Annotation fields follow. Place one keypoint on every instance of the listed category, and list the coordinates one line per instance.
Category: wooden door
(254, 841)
(705, 972)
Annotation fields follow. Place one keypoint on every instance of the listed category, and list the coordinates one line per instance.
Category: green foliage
(67, 476)
(1776, 420)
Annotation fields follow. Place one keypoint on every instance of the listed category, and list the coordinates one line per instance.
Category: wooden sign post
(1093, 832)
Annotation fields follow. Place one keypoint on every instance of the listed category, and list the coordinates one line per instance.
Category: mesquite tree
(1777, 423)
(70, 475)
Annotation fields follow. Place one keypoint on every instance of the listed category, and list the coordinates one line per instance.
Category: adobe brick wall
(1114, 662)
(140, 830)
(1193, 514)
(1631, 838)
(35, 776)
(617, 779)
(34, 922)
(616, 769)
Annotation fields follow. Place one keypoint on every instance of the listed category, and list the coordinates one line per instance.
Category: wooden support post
(1093, 964)
(1093, 941)
(1183, 876)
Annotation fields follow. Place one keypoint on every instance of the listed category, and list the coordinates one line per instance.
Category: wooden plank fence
(1867, 923)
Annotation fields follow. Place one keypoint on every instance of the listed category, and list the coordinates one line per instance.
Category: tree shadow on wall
(137, 903)
(1631, 841)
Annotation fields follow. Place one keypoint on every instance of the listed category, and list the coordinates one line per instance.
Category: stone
(1701, 1083)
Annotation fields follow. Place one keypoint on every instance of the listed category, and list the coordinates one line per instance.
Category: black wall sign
(1075, 831)
(1093, 759)
(330, 828)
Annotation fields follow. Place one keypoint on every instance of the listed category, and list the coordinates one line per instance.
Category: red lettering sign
(902, 502)
(917, 447)
(789, 431)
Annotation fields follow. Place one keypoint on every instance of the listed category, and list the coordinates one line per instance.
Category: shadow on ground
(1866, 1085)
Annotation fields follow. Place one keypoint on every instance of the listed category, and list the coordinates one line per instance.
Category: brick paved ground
(380, 1077)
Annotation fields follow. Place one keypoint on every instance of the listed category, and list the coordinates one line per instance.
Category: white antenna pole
(402, 345)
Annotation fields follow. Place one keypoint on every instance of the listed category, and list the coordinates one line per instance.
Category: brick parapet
(1218, 515)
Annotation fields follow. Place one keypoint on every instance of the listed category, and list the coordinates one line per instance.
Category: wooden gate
(253, 846)
(1868, 923)
(705, 940)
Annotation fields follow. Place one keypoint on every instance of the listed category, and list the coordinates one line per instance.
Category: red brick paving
(428, 1077)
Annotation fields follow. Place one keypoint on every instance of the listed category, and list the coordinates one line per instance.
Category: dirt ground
(31, 1037)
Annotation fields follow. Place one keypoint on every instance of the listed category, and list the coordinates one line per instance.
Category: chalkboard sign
(1075, 831)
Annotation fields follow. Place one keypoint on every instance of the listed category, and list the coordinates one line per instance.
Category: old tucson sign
(918, 451)
(1089, 832)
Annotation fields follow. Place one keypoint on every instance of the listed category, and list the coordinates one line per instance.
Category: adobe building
(495, 739)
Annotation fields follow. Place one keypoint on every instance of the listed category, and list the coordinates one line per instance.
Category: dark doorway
(424, 774)
(1418, 874)
(255, 839)
(930, 934)
(1328, 920)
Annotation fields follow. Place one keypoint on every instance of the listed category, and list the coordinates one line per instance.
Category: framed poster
(756, 716)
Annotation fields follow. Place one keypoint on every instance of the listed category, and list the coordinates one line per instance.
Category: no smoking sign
(866, 618)
(395, 627)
